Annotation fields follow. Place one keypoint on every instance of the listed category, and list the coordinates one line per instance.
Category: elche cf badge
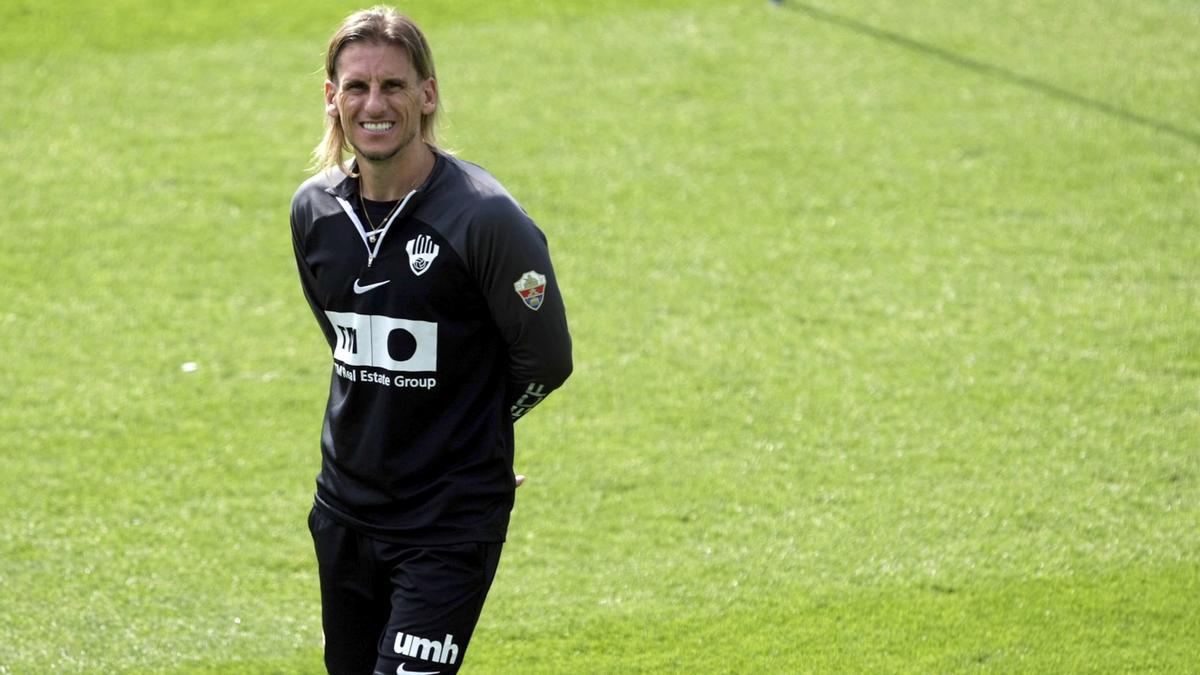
(421, 252)
(532, 288)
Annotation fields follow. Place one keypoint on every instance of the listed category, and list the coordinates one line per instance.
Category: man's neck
(392, 180)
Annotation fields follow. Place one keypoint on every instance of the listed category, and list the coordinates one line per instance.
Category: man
(436, 295)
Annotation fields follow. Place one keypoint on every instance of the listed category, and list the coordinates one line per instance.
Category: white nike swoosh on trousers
(363, 289)
(405, 671)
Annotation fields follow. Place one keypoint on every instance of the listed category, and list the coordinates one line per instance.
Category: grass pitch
(885, 316)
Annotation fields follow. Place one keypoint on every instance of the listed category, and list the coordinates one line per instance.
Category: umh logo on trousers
(426, 650)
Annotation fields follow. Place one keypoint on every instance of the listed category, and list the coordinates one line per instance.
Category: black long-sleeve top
(446, 325)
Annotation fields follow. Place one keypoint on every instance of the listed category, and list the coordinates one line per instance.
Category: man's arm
(301, 220)
(511, 259)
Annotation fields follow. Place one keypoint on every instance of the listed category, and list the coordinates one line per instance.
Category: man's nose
(374, 103)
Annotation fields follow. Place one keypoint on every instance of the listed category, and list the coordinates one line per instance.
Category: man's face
(378, 100)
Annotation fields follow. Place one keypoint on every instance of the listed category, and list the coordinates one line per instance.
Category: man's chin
(376, 156)
(381, 154)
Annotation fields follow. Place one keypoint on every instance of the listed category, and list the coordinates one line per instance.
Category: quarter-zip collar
(348, 187)
(347, 191)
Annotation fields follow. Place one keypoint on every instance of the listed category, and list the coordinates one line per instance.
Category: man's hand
(520, 479)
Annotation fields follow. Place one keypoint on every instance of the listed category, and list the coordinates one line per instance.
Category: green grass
(887, 354)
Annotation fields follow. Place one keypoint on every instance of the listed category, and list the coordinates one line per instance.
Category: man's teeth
(377, 126)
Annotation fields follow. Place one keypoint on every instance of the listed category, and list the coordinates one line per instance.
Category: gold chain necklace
(367, 214)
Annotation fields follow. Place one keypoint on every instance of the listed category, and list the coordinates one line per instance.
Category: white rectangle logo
(372, 340)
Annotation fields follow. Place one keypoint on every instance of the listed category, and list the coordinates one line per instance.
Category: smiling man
(436, 295)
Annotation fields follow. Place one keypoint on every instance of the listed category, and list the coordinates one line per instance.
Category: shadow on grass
(997, 72)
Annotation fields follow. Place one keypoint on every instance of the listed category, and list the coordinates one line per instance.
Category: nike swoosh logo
(359, 290)
(402, 671)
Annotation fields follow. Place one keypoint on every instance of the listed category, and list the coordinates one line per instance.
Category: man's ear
(429, 92)
(330, 103)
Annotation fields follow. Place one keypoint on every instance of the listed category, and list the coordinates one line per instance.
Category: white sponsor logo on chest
(370, 340)
(421, 252)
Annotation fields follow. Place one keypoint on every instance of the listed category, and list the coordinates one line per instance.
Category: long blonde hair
(381, 25)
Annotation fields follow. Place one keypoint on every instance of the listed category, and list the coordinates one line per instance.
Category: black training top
(446, 325)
